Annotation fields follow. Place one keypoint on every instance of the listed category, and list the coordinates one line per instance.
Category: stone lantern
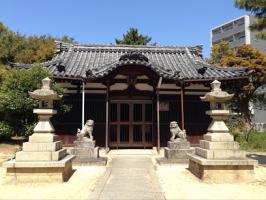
(42, 159)
(218, 159)
(217, 112)
(46, 97)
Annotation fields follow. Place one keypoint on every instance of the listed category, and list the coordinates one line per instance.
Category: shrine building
(134, 92)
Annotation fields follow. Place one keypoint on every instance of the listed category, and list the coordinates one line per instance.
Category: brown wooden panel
(132, 128)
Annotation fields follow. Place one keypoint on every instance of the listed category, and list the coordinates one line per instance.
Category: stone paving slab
(129, 177)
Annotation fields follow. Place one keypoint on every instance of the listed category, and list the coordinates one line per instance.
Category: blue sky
(168, 22)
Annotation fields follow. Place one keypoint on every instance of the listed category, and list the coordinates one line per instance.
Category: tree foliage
(15, 47)
(15, 103)
(16, 116)
(132, 37)
(219, 51)
(246, 56)
(258, 8)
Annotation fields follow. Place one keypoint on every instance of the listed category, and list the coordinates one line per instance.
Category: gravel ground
(178, 183)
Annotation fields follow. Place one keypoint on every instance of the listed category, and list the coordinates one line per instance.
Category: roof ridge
(60, 46)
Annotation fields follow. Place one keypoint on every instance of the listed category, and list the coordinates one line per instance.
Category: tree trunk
(246, 118)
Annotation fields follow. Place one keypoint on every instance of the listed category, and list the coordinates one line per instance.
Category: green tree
(246, 56)
(219, 51)
(16, 117)
(15, 103)
(258, 9)
(15, 47)
(132, 37)
(10, 44)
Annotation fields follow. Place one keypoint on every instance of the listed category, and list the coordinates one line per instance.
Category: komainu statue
(176, 132)
(86, 131)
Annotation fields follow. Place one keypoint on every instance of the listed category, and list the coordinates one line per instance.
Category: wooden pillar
(158, 112)
(83, 103)
(182, 106)
(107, 117)
(158, 119)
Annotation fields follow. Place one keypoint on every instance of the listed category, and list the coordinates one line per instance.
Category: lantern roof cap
(216, 94)
(45, 93)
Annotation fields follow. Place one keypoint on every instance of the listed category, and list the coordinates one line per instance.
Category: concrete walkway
(129, 177)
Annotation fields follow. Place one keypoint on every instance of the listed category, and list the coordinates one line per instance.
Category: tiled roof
(96, 61)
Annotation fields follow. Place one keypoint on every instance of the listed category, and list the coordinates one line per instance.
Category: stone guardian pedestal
(177, 149)
(42, 159)
(84, 147)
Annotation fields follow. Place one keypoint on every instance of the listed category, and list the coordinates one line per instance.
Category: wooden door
(130, 124)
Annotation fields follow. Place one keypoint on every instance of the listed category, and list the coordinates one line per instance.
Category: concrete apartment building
(237, 32)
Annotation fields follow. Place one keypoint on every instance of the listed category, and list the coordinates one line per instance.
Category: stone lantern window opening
(46, 104)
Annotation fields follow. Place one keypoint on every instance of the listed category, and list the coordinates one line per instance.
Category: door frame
(131, 123)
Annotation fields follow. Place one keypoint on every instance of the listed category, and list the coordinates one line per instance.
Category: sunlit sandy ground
(178, 183)
(78, 186)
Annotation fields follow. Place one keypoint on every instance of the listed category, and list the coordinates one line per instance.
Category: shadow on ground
(260, 158)
(70, 175)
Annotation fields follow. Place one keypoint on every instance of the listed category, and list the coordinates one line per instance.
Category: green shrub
(5, 129)
(28, 129)
(16, 106)
(235, 124)
(256, 141)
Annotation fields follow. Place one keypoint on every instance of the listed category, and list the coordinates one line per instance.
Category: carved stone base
(38, 171)
(42, 159)
(178, 144)
(222, 171)
(87, 154)
(178, 153)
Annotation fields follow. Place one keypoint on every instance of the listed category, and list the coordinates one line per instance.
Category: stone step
(43, 137)
(219, 154)
(219, 145)
(38, 171)
(41, 156)
(58, 155)
(41, 146)
(218, 137)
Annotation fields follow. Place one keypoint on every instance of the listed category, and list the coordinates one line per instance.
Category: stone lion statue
(176, 132)
(86, 131)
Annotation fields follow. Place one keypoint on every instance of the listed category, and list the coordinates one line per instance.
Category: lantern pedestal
(42, 159)
(218, 159)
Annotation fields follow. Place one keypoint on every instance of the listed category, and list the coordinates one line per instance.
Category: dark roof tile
(169, 62)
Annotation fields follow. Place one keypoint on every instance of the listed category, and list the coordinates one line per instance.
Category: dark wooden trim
(192, 81)
(182, 107)
(107, 103)
(179, 90)
(131, 92)
(158, 119)
(219, 79)
(161, 90)
(86, 89)
(148, 81)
